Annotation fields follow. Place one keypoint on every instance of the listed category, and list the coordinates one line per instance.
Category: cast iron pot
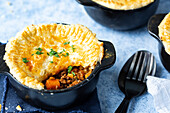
(58, 99)
(153, 30)
(119, 19)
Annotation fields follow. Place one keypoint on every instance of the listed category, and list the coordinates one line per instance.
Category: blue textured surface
(20, 13)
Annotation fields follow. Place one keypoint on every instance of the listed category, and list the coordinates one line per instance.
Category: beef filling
(67, 78)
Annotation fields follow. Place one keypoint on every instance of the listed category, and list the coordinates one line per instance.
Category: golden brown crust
(50, 36)
(123, 4)
(164, 32)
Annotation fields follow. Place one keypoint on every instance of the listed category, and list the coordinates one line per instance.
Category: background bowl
(153, 30)
(58, 99)
(119, 19)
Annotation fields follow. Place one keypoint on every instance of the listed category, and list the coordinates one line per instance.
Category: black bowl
(153, 30)
(119, 19)
(58, 99)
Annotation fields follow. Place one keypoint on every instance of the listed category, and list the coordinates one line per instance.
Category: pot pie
(123, 4)
(164, 32)
(53, 56)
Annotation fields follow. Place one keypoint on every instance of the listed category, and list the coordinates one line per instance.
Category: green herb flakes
(51, 61)
(39, 49)
(39, 53)
(25, 60)
(32, 54)
(73, 73)
(56, 55)
(52, 52)
(72, 46)
(67, 54)
(66, 43)
(69, 69)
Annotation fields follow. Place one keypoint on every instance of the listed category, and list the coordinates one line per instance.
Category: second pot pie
(164, 32)
(123, 4)
(41, 51)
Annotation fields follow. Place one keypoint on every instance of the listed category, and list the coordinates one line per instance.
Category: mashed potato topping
(123, 4)
(43, 50)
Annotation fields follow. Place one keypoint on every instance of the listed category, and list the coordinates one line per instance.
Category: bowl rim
(153, 29)
(110, 9)
(94, 73)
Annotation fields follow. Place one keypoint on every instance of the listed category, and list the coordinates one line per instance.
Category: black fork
(142, 65)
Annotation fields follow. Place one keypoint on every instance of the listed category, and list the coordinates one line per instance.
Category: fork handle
(123, 106)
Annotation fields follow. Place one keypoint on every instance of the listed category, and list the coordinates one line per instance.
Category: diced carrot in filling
(52, 83)
(70, 75)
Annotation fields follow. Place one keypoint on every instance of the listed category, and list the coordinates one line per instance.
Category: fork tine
(143, 66)
(132, 66)
(134, 76)
(154, 68)
(149, 66)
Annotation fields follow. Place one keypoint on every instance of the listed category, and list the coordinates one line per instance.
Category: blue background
(20, 13)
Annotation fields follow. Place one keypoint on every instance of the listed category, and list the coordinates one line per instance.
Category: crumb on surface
(51, 93)
(19, 108)
(9, 3)
(26, 97)
(6, 108)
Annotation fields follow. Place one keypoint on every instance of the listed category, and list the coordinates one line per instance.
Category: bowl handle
(109, 55)
(153, 24)
(86, 2)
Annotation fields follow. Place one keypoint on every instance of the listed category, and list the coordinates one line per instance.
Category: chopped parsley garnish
(39, 49)
(51, 61)
(39, 53)
(72, 46)
(60, 52)
(66, 43)
(25, 60)
(32, 54)
(56, 55)
(52, 52)
(73, 73)
(69, 69)
(67, 54)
